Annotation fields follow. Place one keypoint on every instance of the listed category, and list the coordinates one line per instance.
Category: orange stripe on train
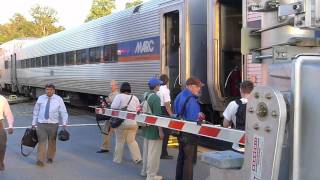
(140, 58)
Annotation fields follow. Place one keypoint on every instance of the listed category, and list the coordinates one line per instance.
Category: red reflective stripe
(209, 131)
(150, 120)
(115, 113)
(131, 116)
(178, 125)
(243, 139)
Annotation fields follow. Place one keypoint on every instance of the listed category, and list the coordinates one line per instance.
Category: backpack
(184, 106)
(145, 107)
(241, 115)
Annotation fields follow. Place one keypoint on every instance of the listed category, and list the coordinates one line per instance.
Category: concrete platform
(77, 159)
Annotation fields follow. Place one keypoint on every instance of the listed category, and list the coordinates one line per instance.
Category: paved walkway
(77, 159)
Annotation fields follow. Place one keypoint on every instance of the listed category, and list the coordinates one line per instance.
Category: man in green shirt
(153, 135)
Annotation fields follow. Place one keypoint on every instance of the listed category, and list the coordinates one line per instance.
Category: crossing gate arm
(210, 131)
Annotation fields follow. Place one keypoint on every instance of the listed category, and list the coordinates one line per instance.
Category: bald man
(106, 138)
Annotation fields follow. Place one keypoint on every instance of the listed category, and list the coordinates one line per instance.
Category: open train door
(171, 46)
(224, 23)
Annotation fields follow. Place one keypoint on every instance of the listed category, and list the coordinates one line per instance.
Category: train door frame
(13, 73)
(174, 83)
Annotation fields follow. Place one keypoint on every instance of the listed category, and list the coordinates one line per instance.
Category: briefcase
(29, 139)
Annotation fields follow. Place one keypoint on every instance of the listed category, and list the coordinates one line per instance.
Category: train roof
(71, 39)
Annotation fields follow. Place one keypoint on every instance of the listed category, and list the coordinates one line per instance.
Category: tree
(18, 27)
(43, 24)
(21, 27)
(44, 20)
(100, 8)
(134, 3)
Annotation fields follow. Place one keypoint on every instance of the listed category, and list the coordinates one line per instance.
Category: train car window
(23, 64)
(114, 52)
(60, 59)
(81, 57)
(94, 55)
(33, 62)
(137, 9)
(110, 53)
(38, 62)
(106, 53)
(18, 64)
(6, 64)
(52, 60)
(28, 63)
(70, 58)
(45, 61)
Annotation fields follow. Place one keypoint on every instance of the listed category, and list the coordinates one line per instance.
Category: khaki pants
(151, 158)
(106, 138)
(126, 134)
(3, 143)
(46, 132)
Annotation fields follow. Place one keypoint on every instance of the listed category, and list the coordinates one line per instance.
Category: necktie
(46, 113)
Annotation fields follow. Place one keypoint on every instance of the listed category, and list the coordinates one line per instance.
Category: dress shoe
(138, 161)
(2, 167)
(39, 163)
(166, 157)
(103, 151)
(49, 161)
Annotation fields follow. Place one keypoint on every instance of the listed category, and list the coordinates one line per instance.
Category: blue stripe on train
(139, 47)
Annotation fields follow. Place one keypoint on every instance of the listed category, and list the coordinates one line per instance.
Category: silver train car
(159, 36)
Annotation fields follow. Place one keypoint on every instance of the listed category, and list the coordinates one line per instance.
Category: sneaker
(103, 151)
(39, 163)
(49, 161)
(143, 174)
(158, 177)
(166, 157)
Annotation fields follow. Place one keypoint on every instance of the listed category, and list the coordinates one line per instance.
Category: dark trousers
(166, 134)
(187, 156)
(3, 143)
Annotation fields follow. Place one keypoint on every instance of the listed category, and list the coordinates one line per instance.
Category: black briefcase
(29, 139)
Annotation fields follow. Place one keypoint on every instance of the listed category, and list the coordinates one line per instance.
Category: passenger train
(181, 38)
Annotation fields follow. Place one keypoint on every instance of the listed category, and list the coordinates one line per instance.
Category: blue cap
(153, 82)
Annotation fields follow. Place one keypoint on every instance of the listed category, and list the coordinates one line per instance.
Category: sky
(71, 13)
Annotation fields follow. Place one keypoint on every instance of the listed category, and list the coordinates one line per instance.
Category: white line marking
(70, 125)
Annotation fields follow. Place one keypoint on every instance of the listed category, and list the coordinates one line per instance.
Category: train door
(230, 43)
(224, 51)
(171, 50)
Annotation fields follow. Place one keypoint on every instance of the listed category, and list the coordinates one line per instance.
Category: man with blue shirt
(46, 114)
(187, 107)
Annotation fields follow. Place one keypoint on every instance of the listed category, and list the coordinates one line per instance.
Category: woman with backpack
(127, 131)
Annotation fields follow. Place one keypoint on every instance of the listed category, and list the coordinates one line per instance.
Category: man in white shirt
(5, 111)
(230, 113)
(46, 114)
(165, 101)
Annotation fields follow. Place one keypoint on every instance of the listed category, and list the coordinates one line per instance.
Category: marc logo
(144, 47)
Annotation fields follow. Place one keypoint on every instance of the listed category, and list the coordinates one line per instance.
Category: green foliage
(42, 24)
(134, 3)
(100, 8)
(44, 20)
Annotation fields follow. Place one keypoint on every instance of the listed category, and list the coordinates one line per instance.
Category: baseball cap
(153, 82)
(194, 81)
